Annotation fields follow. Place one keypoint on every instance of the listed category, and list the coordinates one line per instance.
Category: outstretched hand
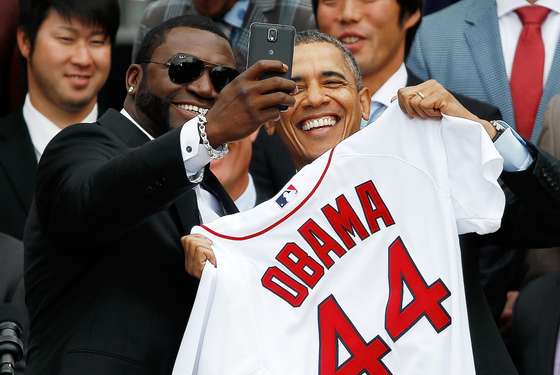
(430, 100)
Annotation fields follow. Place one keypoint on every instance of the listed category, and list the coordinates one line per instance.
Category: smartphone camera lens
(272, 35)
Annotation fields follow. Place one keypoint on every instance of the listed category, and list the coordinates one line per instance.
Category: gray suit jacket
(289, 12)
(460, 47)
(549, 139)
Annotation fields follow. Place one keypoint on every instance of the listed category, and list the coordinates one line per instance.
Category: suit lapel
(483, 38)
(17, 157)
(125, 130)
(187, 203)
(551, 88)
(186, 206)
(214, 186)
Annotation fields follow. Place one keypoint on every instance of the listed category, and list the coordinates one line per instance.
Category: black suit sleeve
(532, 215)
(91, 187)
(481, 109)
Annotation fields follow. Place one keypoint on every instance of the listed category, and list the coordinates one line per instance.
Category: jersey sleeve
(474, 166)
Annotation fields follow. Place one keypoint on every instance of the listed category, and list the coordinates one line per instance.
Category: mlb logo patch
(286, 196)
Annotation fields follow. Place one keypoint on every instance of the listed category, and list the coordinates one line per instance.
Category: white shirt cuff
(513, 149)
(195, 156)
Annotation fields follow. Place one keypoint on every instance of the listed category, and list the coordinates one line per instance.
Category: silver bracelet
(215, 153)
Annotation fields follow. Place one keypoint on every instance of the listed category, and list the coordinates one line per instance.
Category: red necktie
(527, 70)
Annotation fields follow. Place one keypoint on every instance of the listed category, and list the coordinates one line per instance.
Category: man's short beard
(155, 108)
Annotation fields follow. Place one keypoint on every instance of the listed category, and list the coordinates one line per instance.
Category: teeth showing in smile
(318, 123)
(349, 39)
(192, 108)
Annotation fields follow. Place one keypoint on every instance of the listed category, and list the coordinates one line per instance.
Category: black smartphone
(269, 41)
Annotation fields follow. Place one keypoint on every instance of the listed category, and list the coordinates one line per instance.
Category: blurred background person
(11, 85)
(535, 337)
(67, 48)
(501, 51)
(234, 17)
(506, 53)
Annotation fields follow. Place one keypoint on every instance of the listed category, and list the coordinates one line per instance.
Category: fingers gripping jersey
(355, 267)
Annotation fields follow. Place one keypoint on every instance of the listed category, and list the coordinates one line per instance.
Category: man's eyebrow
(325, 74)
(332, 73)
(72, 29)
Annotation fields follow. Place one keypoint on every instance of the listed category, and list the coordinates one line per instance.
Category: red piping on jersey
(270, 227)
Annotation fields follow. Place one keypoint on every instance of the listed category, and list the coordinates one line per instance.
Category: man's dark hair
(314, 36)
(155, 37)
(103, 13)
(408, 7)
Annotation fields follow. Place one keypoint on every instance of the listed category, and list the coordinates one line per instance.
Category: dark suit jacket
(106, 287)
(12, 292)
(18, 166)
(272, 167)
(535, 326)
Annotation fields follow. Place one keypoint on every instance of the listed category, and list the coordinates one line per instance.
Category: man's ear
(365, 102)
(412, 19)
(23, 43)
(134, 76)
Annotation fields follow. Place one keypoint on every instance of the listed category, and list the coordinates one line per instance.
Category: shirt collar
(128, 116)
(248, 199)
(389, 89)
(41, 129)
(507, 6)
(236, 15)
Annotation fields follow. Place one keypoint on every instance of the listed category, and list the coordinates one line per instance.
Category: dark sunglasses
(183, 68)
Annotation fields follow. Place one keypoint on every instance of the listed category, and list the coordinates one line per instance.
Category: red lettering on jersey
(321, 242)
(373, 206)
(345, 222)
(297, 293)
(301, 265)
(365, 357)
(426, 299)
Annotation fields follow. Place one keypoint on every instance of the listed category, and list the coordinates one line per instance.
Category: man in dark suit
(106, 287)
(379, 35)
(67, 48)
(536, 324)
(526, 219)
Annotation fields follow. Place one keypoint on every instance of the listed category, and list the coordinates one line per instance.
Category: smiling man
(331, 99)
(329, 104)
(67, 49)
(106, 287)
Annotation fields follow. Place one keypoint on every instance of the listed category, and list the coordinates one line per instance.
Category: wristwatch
(500, 126)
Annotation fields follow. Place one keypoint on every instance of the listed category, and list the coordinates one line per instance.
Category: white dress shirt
(510, 146)
(511, 26)
(41, 129)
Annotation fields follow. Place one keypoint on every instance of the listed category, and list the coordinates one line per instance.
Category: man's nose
(203, 86)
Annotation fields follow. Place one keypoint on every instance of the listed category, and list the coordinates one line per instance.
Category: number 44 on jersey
(366, 356)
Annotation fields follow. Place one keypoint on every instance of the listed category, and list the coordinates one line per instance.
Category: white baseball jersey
(355, 267)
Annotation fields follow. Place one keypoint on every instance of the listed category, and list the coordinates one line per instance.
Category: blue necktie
(377, 109)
